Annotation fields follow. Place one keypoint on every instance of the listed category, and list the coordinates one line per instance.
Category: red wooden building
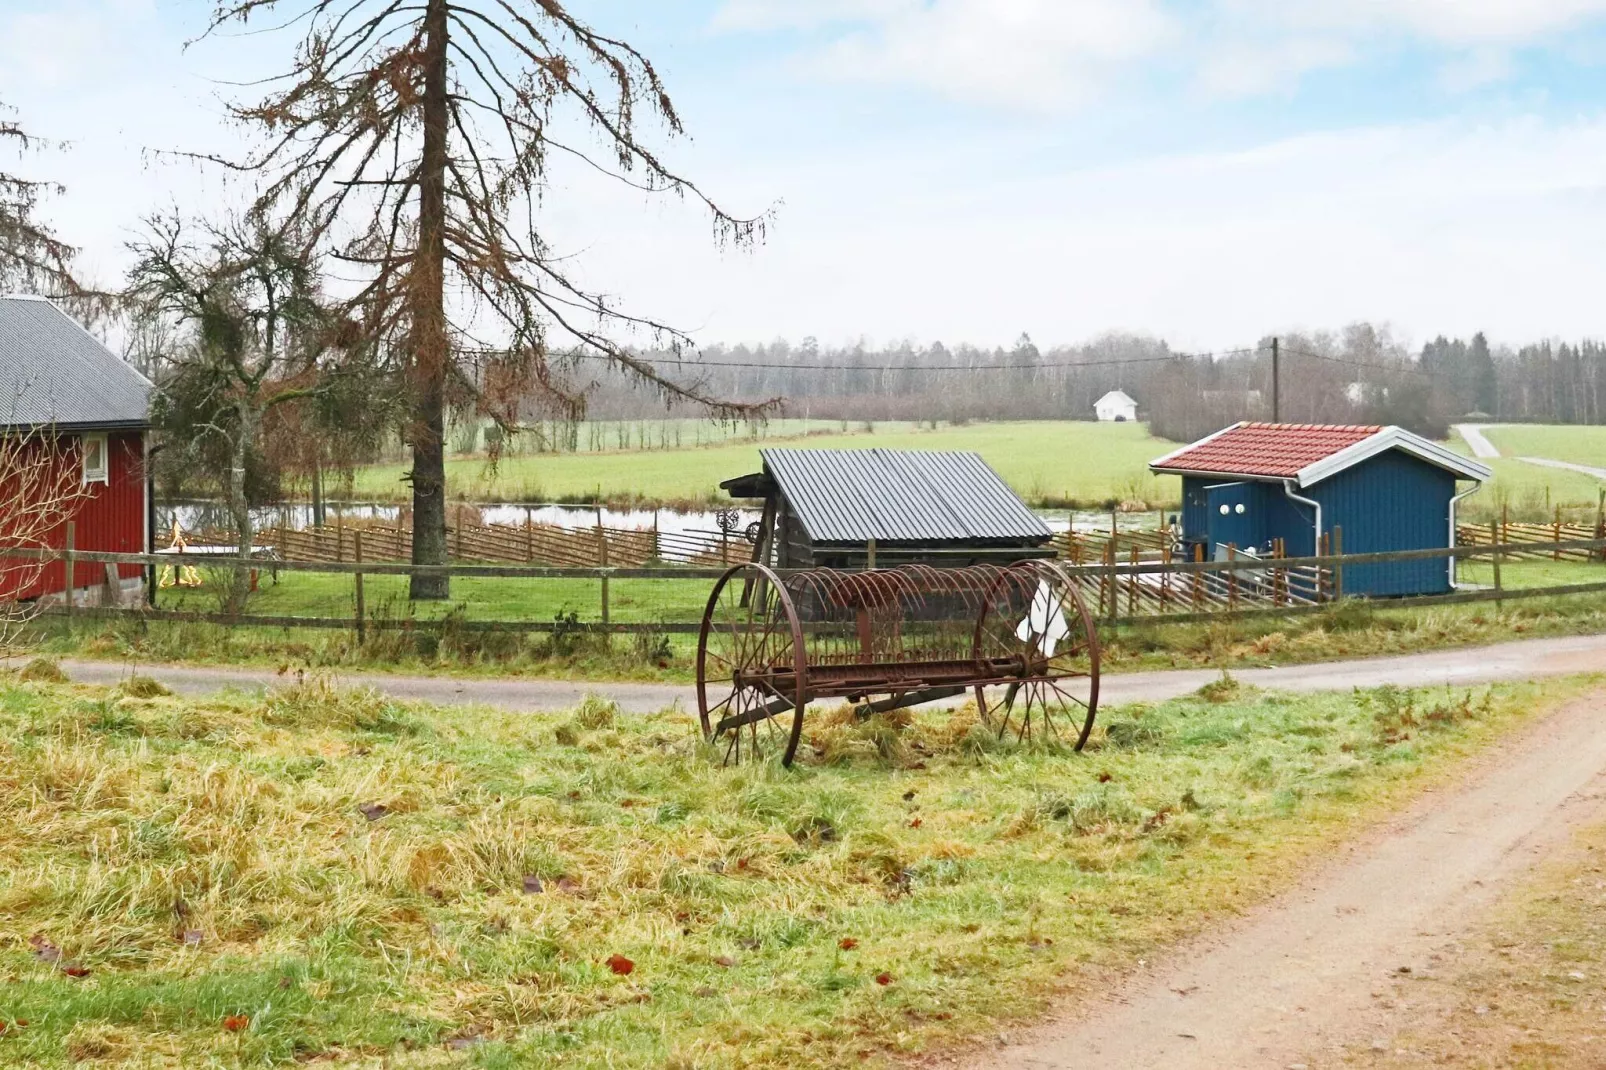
(68, 397)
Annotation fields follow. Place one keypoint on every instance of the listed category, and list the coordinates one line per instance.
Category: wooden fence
(1141, 591)
(527, 544)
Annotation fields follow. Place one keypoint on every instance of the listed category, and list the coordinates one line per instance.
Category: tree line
(1361, 374)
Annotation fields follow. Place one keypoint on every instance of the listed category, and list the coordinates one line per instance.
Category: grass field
(1529, 491)
(1047, 463)
(1579, 445)
(1352, 629)
(334, 878)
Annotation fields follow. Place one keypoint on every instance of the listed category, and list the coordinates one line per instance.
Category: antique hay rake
(1019, 637)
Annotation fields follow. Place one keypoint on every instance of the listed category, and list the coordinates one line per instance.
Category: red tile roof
(1277, 451)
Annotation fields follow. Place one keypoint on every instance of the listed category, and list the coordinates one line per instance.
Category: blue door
(1233, 518)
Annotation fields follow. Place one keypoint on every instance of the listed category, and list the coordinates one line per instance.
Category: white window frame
(102, 474)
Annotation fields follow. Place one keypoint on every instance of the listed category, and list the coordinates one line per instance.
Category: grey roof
(901, 496)
(53, 372)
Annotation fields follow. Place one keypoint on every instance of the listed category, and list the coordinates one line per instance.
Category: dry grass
(332, 876)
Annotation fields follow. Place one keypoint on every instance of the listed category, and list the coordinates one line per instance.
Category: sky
(1206, 171)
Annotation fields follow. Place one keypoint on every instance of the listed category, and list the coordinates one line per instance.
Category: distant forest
(1358, 375)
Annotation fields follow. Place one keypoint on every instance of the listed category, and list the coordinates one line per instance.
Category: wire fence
(373, 595)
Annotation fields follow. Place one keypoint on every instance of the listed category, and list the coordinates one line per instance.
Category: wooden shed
(850, 508)
(1383, 489)
(86, 411)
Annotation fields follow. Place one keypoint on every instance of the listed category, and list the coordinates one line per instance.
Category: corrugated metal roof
(901, 496)
(53, 372)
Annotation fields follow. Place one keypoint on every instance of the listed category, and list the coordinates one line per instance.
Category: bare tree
(414, 139)
(31, 256)
(41, 488)
(252, 337)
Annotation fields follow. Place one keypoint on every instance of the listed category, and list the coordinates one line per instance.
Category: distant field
(1579, 445)
(1046, 462)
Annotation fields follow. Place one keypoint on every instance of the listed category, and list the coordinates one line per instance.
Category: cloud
(1053, 53)
(1038, 54)
(1245, 69)
(1449, 226)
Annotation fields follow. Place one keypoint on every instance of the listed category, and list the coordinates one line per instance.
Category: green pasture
(317, 877)
(1576, 444)
(1046, 462)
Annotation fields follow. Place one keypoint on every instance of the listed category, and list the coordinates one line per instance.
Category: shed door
(1233, 518)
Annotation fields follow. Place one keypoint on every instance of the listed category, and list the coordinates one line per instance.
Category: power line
(812, 367)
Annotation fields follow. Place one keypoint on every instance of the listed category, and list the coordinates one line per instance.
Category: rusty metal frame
(888, 639)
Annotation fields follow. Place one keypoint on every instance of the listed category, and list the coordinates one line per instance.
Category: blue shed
(1386, 488)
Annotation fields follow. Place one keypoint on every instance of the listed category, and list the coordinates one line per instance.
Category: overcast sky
(1208, 171)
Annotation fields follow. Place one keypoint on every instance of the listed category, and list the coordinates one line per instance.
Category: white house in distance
(1116, 407)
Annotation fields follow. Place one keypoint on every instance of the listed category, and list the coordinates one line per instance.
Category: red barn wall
(110, 519)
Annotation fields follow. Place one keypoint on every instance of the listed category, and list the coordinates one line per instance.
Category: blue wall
(1390, 502)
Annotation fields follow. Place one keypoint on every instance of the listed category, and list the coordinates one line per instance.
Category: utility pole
(1276, 381)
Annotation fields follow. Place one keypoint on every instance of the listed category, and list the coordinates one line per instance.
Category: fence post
(869, 554)
(1198, 577)
(1132, 587)
(1165, 577)
(529, 537)
(340, 535)
(402, 552)
(1232, 577)
(1338, 569)
(1115, 581)
(458, 534)
(69, 559)
(356, 577)
(603, 558)
(1494, 530)
(1556, 529)
(1322, 542)
(1600, 523)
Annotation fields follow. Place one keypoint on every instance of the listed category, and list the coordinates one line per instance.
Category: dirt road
(1505, 661)
(1568, 466)
(1296, 979)
(1477, 442)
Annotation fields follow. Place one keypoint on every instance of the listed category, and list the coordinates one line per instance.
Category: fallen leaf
(725, 961)
(621, 965)
(1105, 778)
(916, 823)
(373, 811)
(908, 796)
(533, 885)
(236, 1022)
(847, 943)
(883, 978)
(73, 969)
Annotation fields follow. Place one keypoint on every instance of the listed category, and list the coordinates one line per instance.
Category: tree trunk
(429, 338)
(240, 509)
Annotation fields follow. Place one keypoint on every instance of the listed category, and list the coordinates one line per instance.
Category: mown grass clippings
(42, 671)
(489, 906)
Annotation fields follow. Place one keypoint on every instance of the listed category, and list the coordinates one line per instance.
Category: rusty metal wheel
(1034, 616)
(751, 668)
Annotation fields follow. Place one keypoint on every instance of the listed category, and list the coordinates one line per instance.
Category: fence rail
(362, 594)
